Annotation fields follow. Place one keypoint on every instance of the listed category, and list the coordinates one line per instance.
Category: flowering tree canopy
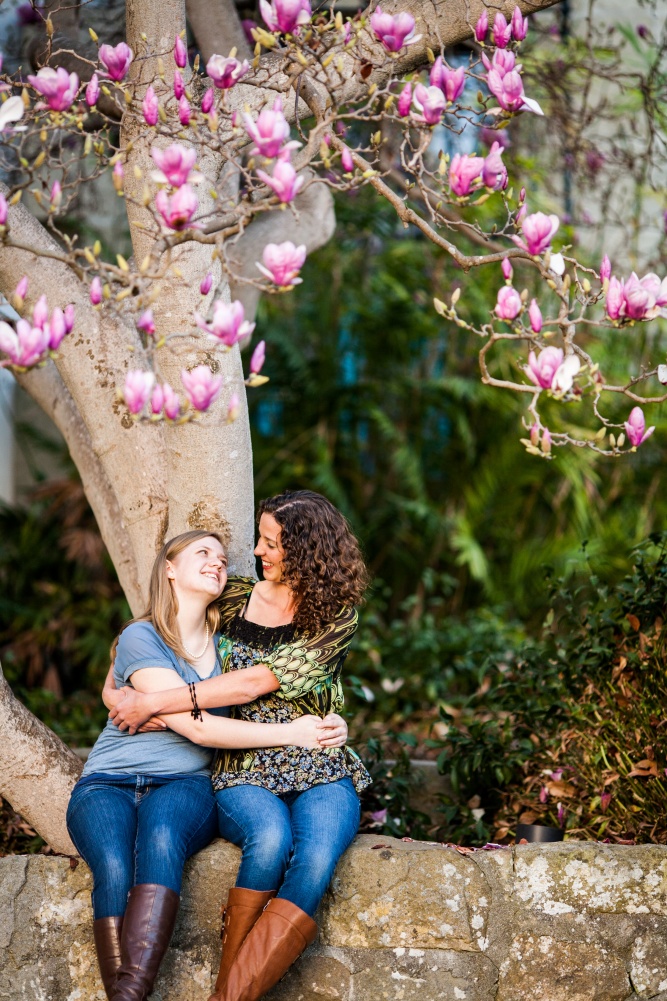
(225, 162)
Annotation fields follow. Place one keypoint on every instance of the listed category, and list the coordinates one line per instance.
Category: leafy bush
(571, 731)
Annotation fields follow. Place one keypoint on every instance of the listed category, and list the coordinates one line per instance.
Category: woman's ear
(170, 570)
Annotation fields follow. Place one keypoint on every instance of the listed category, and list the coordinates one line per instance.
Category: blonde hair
(162, 607)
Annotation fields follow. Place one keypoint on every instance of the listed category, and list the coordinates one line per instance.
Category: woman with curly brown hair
(292, 811)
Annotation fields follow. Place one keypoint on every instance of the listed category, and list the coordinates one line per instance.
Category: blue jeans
(290, 843)
(136, 829)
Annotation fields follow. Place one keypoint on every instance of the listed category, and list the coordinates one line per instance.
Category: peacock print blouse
(308, 669)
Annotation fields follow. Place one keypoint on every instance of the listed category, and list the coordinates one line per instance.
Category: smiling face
(199, 569)
(268, 548)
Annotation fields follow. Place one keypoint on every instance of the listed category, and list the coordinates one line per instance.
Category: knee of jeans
(166, 841)
(272, 843)
(111, 871)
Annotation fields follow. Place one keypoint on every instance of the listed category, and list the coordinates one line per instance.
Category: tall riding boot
(275, 941)
(242, 910)
(106, 933)
(147, 928)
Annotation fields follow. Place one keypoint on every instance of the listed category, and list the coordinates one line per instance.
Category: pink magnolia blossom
(605, 269)
(430, 103)
(229, 325)
(172, 404)
(178, 209)
(404, 101)
(282, 263)
(116, 60)
(55, 196)
(4, 209)
(179, 86)
(150, 107)
(57, 329)
(537, 230)
(285, 16)
(451, 82)
(463, 171)
(347, 163)
(544, 795)
(233, 408)
(635, 427)
(565, 373)
(494, 171)
(180, 52)
(118, 176)
(207, 101)
(225, 72)
(542, 369)
(508, 304)
(25, 346)
(535, 315)
(92, 91)
(157, 399)
(269, 132)
(137, 389)
(379, 816)
(58, 87)
(614, 301)
(146, 322)
(175, 164)
(394, 30)
(503, 61)
(507, 269)
(21, 289)
(258, 358)
(502, 31)
(561, 813)
(96, 291)
(184, 112)
(69, 318)
(284, 181)
(482, 26)
(201, 386)
(205, 284)
(508, 92)
(519, 25)
(40, 313)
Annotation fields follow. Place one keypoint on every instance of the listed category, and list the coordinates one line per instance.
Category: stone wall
(403, 922)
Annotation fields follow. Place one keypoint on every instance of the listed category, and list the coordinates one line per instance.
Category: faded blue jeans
(134, 829)
(290, 843)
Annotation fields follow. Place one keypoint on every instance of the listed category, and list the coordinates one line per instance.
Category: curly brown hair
(322, 564)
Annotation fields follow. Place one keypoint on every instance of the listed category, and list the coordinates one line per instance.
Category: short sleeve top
(163, 752)
(308, 668)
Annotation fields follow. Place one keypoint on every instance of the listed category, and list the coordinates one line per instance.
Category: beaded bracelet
(196, 711)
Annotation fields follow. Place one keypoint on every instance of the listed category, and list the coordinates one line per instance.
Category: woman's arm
(217, 731)
(293, 669)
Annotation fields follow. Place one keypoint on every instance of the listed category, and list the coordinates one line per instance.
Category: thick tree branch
(217, 28)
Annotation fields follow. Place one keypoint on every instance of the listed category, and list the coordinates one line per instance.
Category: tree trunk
(37, 771)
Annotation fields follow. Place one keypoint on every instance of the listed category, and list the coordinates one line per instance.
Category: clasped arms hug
(252, 669)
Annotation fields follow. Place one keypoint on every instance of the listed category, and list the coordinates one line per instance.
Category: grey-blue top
(161, 752)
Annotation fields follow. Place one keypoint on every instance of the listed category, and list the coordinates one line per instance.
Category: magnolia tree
(226, 166)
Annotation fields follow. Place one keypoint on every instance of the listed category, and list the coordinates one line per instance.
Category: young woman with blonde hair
(144, 804)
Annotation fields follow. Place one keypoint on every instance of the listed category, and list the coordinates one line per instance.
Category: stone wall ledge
(403, 921)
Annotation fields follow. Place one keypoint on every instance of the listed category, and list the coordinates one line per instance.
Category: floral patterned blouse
(309, 671)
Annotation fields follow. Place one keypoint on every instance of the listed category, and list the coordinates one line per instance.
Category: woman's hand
(303, 732)
(333, 731)
(132, 711)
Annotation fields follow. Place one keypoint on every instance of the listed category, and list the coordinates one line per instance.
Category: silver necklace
(197, 656)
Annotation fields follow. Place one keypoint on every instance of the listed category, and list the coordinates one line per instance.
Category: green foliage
(60, 607)
(571, 730)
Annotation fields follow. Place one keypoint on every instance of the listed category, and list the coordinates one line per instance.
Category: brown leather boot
(148, 924)
(275, 941)
(106, 933)
(242, 910)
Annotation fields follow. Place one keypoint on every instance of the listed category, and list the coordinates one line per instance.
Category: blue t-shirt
(160, 752)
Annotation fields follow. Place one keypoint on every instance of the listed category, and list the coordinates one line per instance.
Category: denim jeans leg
(101, 820)
(176, 818)
(325, 819)
(259, 823)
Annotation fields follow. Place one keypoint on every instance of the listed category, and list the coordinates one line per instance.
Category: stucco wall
(405, 921)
